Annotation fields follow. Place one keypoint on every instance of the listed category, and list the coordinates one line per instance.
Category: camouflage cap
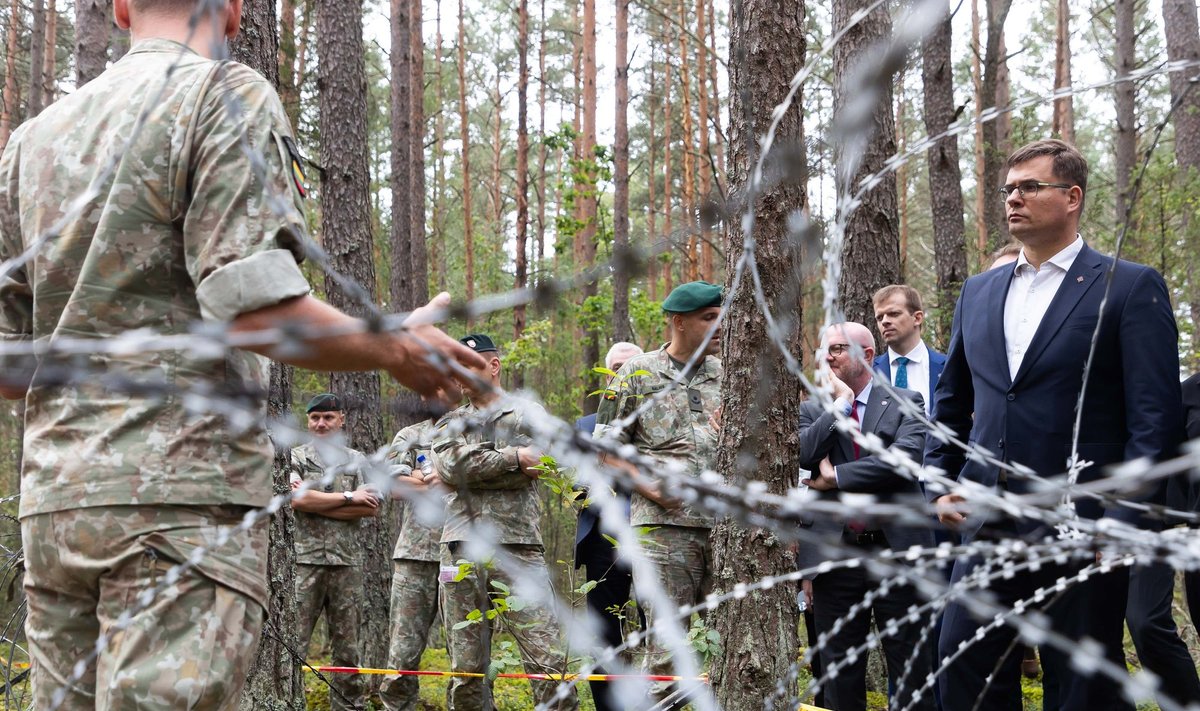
(325, 402)
(692, 296)
(479, 343)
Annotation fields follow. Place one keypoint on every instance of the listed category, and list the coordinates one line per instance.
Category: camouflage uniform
(671, 430)
(492, 494)
(329, 570)
(414, 602)
(116, 471)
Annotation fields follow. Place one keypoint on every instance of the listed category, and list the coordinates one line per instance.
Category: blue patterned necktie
(902, 372)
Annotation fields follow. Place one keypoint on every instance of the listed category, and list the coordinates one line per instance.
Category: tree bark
(50, 59)
(9, 111)
(994, 64)
(275, 681)
(522, 266)
(402, 238)
(668, 174)
(620, 311)
(1063, 124)
(37, 51)
(289, 93)
(871, 252)
(1183, 45)
(758, 631)
(982, 188)
(418, 253)
(346, 237)
(689, 152)
(1125, 100)
(716, 99)
(437, 252)
(901, 176)
(465, 137)
(703, 172)
(652, 176)
(586, 253)
(539, 248)
(945, 176)
(93, 32)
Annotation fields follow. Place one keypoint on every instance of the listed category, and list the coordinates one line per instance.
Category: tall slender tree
(402, 239)
(945, 176)
(585, 253)
(620, 312)
(1063, 124)
(522, 228)
(994, 65)
(274, 682)
(758, 630)
(688, 151)
(37, 50)
(419, 253)
(9, 111)
(871, 255)
(1183, 45)
(1125, 94)
(93, 32)
(464, 120)
(50, 57)
(346, 237)
(704, 170)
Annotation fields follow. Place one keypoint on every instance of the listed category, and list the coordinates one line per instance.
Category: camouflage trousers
(337, 590)
(535, 627)
(189, 648)
(414, 607)
(682, 560)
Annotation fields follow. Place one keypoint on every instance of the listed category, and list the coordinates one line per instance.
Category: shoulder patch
(297, 166)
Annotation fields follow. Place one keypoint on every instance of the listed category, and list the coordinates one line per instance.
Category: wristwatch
(347, 497)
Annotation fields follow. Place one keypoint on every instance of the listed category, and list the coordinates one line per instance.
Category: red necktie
(854, 416)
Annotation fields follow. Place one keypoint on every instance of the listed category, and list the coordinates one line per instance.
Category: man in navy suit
(597, 555)
(1013, 375)
(909, 363)
(838, 466)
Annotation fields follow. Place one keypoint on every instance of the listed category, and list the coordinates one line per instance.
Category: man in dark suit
(596, 554)
(1013, 375)
(1191, 410)
(839, 465)
(909, 363)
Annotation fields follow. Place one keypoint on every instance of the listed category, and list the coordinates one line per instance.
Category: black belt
(865, 538)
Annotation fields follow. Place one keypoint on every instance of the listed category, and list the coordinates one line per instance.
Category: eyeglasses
(836, 349)
(1028, 189)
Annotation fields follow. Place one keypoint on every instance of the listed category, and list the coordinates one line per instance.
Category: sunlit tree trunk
(93, 32)
(50, 58)
(9, 111)
(1063, 125)
(37, 51)
(620, 311)
(1125, 100)
(522, 227)
(465, 136)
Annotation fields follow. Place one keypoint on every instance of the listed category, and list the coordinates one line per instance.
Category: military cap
(692, 296)
(325, 402)
(479, 343)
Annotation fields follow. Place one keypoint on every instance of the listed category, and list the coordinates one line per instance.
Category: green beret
(479, 343)
(692, 296)
(325, 402)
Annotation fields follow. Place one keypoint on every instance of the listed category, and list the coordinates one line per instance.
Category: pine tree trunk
(418, 253)
(522, 266)
(50, 59)
(302, 45)
(539, 248)
(871, 253)
(651, 178)
(758, 631)
(437, 252)
(9, 111)
(37, 51)
(1183, 45)
(982, 189)
(586, 255)
(465, 136)
(402, 238)
(704, 171)
(945, 176)
(668, 174)
(93, 32)
(620, 310)
(689, 152)
(716, 98)
(288, 92)
(994, 65)
(346, 237)
(1125, 100)
(1063, 125)
(901, 176)
(275, 681)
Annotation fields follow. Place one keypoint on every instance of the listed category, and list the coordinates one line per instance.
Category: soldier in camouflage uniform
(495, 503)
(672, 426)
(328, 542)
(133, 204)
(414, 603)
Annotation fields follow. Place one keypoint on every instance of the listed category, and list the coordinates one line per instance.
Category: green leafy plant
(706, 642)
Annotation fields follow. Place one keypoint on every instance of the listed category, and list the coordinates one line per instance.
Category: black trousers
(1148, 614)
(834, 593)
(1094, 609)
(599, 559)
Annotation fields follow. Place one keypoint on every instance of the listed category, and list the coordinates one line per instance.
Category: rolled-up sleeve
(16, 295)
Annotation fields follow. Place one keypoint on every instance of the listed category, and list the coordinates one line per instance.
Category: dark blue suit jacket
(1132, 408)
(937, 361)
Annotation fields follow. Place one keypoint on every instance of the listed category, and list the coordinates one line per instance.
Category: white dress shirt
(918, 371)
(1029, 295)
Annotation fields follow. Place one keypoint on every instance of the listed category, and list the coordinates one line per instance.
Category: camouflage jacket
(419, 530)
(481, 465)
(177, 225)
(670, 429)
(321, 540)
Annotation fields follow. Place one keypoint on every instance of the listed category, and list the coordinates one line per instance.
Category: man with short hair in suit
(1013, 375)
(909, 363)
(838, 465)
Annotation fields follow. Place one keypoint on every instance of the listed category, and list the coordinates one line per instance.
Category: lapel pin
(883, 403)
(1079, 279)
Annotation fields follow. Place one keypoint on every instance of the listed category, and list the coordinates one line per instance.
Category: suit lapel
(1084, 272)
(877, 404)
(997, 293)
